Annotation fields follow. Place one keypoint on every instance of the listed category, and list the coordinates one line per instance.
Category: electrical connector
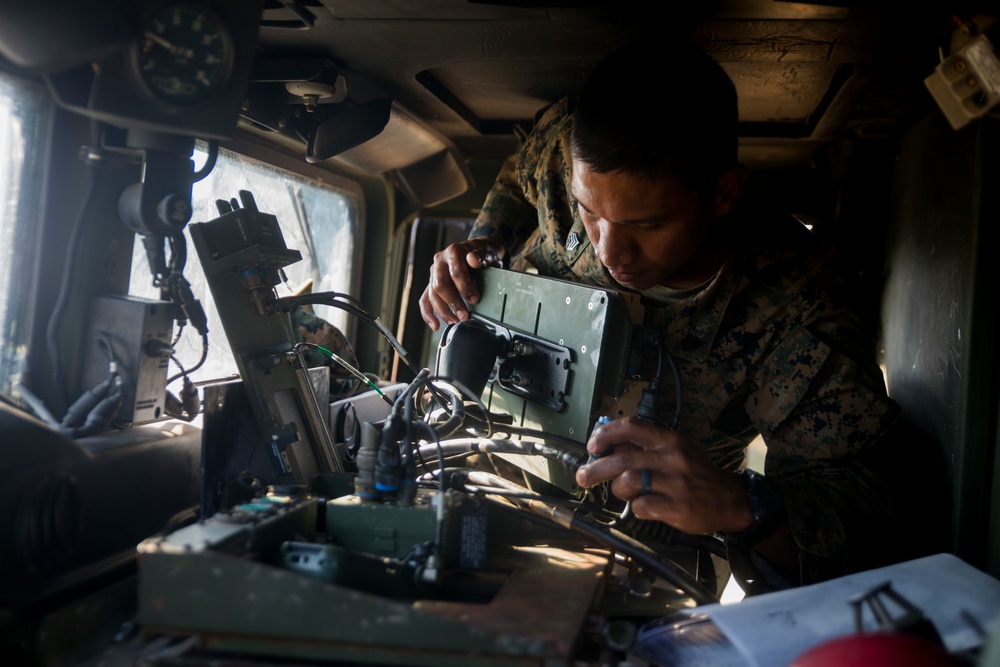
(966, 84)
(601, 421)
(189, 399)
(649, 405)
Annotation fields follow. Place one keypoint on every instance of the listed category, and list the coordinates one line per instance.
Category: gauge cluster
(184, 56)
(182, 70)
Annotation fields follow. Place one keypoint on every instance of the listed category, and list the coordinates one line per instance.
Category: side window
(23, 114)
(318, 220)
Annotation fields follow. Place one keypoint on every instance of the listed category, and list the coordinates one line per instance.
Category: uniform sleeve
(824, 417)
(510, 212)
(506, 214)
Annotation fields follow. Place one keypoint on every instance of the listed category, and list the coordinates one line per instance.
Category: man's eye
(649, 226)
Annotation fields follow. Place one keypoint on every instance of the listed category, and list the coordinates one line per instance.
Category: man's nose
(615, 247)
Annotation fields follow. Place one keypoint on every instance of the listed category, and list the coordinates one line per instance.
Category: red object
(877, 649)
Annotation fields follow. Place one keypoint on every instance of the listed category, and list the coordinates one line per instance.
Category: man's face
(645, 232)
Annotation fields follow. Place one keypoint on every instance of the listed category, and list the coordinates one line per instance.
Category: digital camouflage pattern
(310, 328)
(769, 346)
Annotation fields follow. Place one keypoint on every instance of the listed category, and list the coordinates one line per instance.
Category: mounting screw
(310, 102)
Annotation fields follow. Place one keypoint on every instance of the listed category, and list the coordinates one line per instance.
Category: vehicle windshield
(24, 113)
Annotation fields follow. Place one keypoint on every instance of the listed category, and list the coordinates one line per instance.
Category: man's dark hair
(665, 109)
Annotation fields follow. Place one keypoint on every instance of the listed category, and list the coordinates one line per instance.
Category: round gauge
(185, 54)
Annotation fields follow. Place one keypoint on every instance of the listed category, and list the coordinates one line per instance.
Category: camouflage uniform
(309, 328)
(769, 346)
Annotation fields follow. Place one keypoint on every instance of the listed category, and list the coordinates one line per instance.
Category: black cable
(361, 305)
(509, 493)
(457, 393)
(439, 527)
(335, 299)
(177, 336)
(662, 567)
(609, 535)
(457, 416)
(474, 445)
(678, 399)
(492, 429)
(201, 362)
(91, 411)
(389, 463)
(649, 404)
(508, 489)
(535, 433)
(213, 156)
(406, 447)
(178, 253)
(430, 436)
(613, 538)
(204, 354)
(357, 308)
(351, 305)
(358, 376)
(173, 357)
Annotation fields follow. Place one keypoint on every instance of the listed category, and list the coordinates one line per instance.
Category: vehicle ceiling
(421, 89)
(472, 70)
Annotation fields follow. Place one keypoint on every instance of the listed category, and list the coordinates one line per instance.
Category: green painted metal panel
(595, 324)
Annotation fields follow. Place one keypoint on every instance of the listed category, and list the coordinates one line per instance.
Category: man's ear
(728, 189)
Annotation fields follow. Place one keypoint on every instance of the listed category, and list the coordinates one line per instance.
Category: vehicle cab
(218, 218)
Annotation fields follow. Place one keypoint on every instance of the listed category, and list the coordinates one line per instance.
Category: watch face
(184, 56)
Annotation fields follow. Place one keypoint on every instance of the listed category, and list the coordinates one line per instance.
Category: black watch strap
(766, 505)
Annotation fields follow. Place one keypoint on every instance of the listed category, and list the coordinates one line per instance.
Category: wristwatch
(766, 506)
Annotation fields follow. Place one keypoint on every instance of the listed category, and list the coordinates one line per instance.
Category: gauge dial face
(184, 56)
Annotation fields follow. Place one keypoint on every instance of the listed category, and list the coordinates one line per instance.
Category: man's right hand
(451, 285)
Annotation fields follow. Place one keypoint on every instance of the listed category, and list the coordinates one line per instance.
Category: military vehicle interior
(182, 485)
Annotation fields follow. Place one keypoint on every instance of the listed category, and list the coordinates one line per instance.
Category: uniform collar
(689, 327)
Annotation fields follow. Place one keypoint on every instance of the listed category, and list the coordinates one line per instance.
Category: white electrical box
(966, 85)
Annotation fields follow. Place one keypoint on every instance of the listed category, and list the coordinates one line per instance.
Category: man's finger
(427, 312)
(485, 256)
